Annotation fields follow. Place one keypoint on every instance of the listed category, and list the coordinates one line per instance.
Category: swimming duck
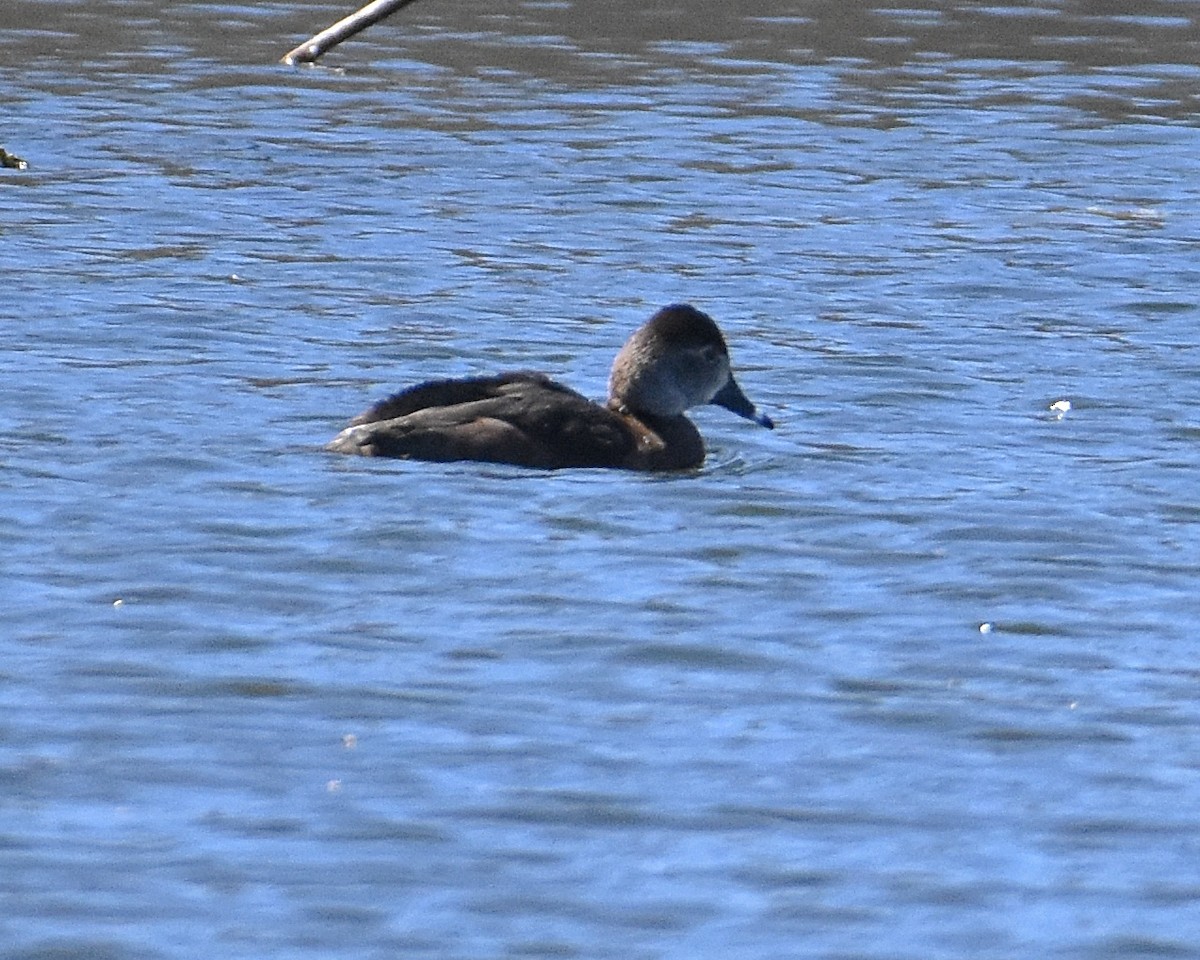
(676, 361)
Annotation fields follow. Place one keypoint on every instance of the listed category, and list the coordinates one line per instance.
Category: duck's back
(521, 418)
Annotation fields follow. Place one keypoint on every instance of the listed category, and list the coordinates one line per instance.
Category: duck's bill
(731, 398)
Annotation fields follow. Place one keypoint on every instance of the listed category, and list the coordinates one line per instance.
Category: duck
(676, 361)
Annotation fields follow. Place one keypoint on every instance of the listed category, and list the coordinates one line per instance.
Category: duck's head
(677, 361)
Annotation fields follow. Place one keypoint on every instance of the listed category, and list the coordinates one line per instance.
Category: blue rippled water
(910, 677)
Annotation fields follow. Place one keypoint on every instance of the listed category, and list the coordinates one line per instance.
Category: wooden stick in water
(373, 12)
(8, 160)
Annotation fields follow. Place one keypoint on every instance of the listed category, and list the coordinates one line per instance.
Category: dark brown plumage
(676, 361)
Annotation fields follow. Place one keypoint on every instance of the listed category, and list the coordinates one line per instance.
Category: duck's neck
(662, 443)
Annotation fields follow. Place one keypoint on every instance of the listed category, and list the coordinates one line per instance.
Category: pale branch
(344, 29)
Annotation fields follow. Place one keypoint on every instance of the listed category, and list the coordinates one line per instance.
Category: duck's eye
(710, 355)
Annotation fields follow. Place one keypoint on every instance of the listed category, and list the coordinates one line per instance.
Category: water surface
(911, 677)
